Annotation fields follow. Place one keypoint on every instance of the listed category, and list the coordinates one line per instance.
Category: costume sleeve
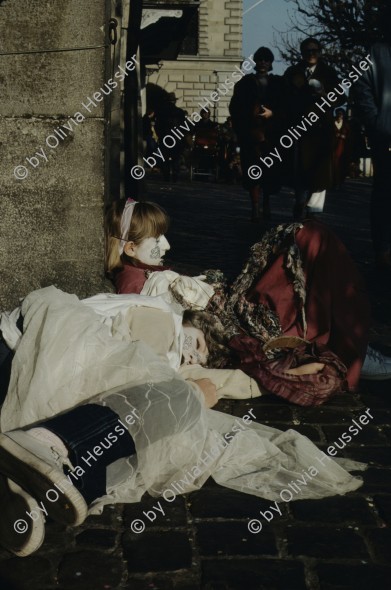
(230, 383)
(189, 292)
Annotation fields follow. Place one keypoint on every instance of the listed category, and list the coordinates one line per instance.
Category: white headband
(125, 223)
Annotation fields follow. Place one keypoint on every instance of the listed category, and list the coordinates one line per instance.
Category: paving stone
(90, 570)
(343, 509)
(386, 431)
(272, 400)
(58, 538)
(375, 396)
(373, 455)
(309, 431)
(344, 400)
(153, 552)
(233, 538)
(7, 585)
(175, 581)
(266, 414)
(223, 503)
(380, 542)
(325, 542)
(337, 576)
(370, 434)
(321, 415)
(383, 505)
(111, 516)
(381, 416)
(97, 539)
(174, 512)
(224, 405)
(376, 480)
(253, 574)
(29, 573)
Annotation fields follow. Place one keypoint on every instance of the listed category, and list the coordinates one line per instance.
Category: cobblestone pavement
(202, 541)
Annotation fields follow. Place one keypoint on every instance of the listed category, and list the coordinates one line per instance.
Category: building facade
(209, 54)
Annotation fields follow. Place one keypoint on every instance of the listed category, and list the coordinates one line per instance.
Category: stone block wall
(51, 222)
(192, 78)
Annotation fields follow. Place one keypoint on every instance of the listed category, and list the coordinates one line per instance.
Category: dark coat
(372, 93)
(309, 163)
(248, 96)
(256, 135)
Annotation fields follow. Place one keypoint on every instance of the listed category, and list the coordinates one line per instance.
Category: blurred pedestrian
(358, 147)
(373, 98)
(341, 148)
(310, 162)
(205, 123)
(149, 133)
(256, 116)
(205, 154)
(169, 116)
(229, 159)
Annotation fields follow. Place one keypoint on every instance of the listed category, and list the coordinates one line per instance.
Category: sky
(260, 25)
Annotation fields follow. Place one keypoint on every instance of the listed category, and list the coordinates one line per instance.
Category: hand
(308, 369)
(267, 113)
(209, 390)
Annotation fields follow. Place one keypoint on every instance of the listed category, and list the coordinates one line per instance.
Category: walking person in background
(168, 116)
(310, 167)
(256, 116)
(229, 159)
(341, 151)
(373, 99)
(149, 133)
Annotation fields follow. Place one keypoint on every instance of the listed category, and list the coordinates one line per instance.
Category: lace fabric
(179, 442)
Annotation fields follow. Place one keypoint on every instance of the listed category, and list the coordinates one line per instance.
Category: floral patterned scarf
(235, 312)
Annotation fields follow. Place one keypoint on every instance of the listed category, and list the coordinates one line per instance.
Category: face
(150, 250)
(195, 351)
(263, 66)
(311, 54)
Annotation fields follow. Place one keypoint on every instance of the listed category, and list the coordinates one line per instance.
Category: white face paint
(151, 250)
(195, 351)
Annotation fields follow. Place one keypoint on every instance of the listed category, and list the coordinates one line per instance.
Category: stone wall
(192, 78)
(51, 229)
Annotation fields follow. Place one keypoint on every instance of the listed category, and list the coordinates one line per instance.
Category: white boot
(376, 367)
(20, 533)
(38, 468)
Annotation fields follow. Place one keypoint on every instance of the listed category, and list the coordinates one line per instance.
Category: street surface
(202, 541)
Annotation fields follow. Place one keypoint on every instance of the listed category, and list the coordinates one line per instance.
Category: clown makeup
(195, 351)
(151, 250)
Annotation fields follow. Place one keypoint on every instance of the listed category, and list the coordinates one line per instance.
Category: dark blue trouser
(95, 439)
(81, 429)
